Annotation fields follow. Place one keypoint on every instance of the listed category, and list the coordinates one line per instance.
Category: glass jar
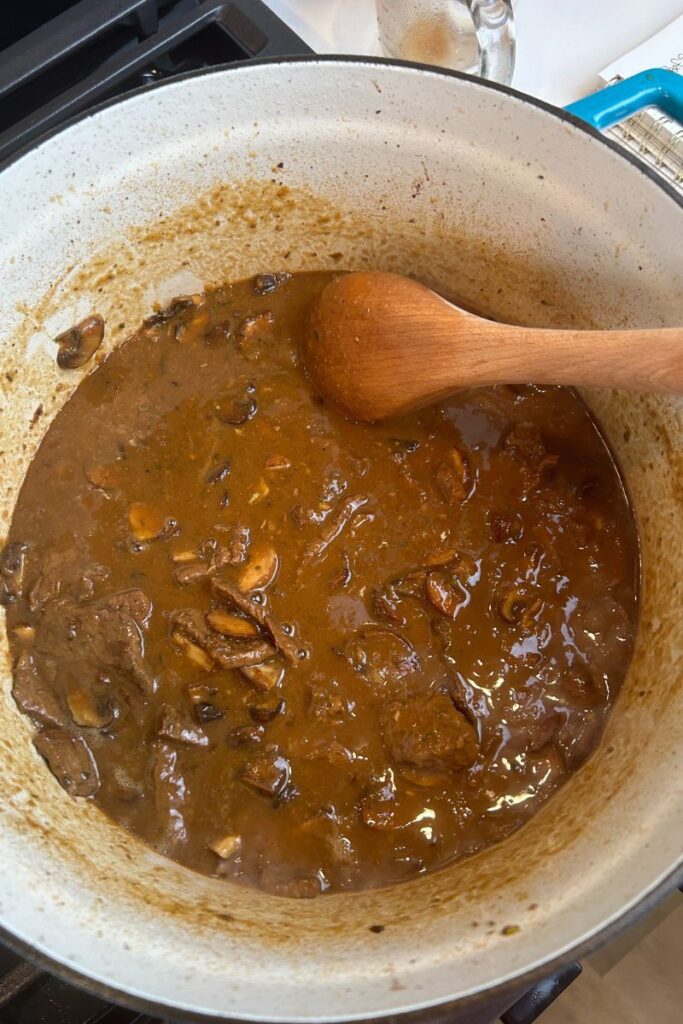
(475, 36)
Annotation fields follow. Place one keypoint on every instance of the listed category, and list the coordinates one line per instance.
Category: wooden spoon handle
(644, 360)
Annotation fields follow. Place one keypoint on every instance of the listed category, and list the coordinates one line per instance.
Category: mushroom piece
(80, 343)
(148, 525)
(226, 846)
(518, 608)
(12, 568)
(264, 284)
(231, 625)
(267, 710)
(453, 477)
(278, 462)
(260, 570)
(263, 677)
(448, 596)
(89, 712)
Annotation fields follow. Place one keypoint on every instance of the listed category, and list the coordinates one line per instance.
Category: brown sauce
(302, 653)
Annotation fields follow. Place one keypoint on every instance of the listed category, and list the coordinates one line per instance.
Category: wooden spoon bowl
(378, 345)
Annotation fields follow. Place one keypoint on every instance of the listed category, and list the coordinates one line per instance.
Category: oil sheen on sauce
(302, 653)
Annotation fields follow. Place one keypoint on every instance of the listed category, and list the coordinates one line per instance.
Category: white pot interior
(324, 164)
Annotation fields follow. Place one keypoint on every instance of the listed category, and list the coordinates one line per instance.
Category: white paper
(662, 50)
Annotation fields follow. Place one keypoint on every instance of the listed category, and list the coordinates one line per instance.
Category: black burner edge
(537, 1000)
(251, 26)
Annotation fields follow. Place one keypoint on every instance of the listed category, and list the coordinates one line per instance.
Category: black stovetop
(58, 58)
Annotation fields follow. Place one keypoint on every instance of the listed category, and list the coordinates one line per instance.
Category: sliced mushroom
(519, 608)
(24, 634)
(448, 596)
(260, 570)
(453, 477)
(198, 656)
(439, 557)
(80, 343)
(148, 525)
(191, 572)
(262, 491)
(264, 677)
(226, 847)
(231, 625)
(264, 284)
(385, 605)
(278, 462)
(207, 712)
(183, 557)
(219, 472)
(12, 569)
(267, 710)
(86, 710)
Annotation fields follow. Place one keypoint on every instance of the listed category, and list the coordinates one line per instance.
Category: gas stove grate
(96, 49)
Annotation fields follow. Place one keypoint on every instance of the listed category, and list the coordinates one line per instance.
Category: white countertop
(561, 44)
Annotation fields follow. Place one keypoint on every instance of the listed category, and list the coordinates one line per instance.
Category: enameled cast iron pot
(511, 206)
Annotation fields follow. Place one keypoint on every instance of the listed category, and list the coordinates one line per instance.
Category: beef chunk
(325, 701)
(12, 568)
(341, 517)
(238, 544)
(97, 636)
(59, 575)
(269, 773)
(191, 623)
(69, 759)
(378, 804)
(430, 734)
(525, 442)
(32, 694)
(134, 603)
(173, 725)
(246, 736)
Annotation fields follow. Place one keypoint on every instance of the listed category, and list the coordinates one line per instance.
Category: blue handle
(655, 88)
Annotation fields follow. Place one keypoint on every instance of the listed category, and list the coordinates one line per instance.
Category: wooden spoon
(380, 344)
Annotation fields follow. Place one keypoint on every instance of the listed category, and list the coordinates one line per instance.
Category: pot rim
(435, 1012)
